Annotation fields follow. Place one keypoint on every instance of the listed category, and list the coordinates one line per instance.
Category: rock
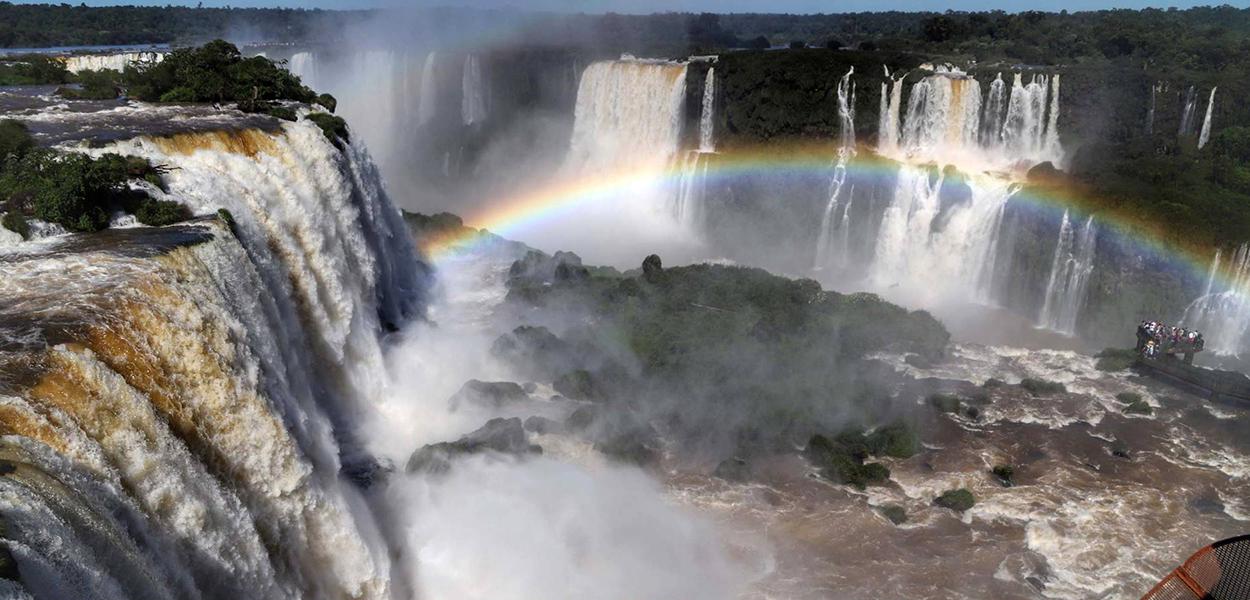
(896, 440)
(895, 513)
(638, 445)
(1206, 505)
(733, 469)
(993, 382)
(367, 471)
(945, 402)
(841, 460)
(530, 387)
(1041, 387)
(581, 418)
(1036, 582)
(1128, 397)
(578, 385)
(1138, 407)
(488, 394)
(1120, 450)
(652, 268)
(541, 425)
(538, 267)
(958, 500)
(505, 436)
(918, 361)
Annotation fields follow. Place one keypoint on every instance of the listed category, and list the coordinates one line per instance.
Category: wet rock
(542, 425)
(895, 513)
(367, 471)
(505, 436)
(578, 385)
(733, 469)
(1138, 407)
(1120, 450)
(581, 418)
(639, 446)
(488, 394)
(918, 361)
(993, 382)
(1036, 582)
(538, 267)
(652, 268)
(944, 402)
(1206, 505)
(530, 387)
(958, 500)
(1042, 387)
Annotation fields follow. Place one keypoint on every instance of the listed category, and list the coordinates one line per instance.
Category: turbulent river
(225, 408)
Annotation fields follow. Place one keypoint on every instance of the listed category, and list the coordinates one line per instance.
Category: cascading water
(473, 100)
(1205, 134)
(1222, 313)
(888, 124)
(995, 112)
(1150, 112)
(1069, 276)
(113, 62)
(1187, 113)
(427, 99)
(189, 414)
(846, 150)
(707, 115)
(628, 114)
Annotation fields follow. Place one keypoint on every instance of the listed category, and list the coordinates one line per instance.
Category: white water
(1222, 313)
(114, 62)
(888, 123)
(1150, 112)
(473, 100)
(1205, 135)
(825, 243)
(924, 251)
(707, 115)
(427, 99)
(627, 131)
(1070, 270)
(1187, 113)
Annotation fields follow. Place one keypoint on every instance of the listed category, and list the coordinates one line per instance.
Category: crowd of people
(1154, 339)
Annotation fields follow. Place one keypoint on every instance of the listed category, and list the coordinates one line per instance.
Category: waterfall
(628, 112)
(1069, 276)
(943, 116)
(114, 62)
(1150, 112)
(1222, 313)
(427, 100)
(887, 123)
(1205, 135)
(473, 99)
(1027, 132)
(707, 115)
(1187, 114)
(846, 151)
(184, 431)
(1051, 147)
(995, 113)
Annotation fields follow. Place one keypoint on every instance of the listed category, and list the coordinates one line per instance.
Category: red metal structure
(1220, 571)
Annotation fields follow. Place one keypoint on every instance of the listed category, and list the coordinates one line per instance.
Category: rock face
(505, 436)
(487, 394)
(537, 266)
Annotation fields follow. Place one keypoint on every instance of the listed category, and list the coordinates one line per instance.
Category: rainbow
(510, 214)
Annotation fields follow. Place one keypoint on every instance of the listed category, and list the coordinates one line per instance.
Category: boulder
(637, 445)
(504, 436)
(488, 394)
(1004, 474)
(541, 425)
(733, 469)
(895, 513)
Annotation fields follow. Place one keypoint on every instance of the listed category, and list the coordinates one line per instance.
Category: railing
(1220, 571)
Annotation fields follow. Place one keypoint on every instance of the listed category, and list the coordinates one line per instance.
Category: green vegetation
(1004, 473)
(1128, 397)
(73, 190)
(15, 222)
(947, 403)
(215, 72)
(1138, 407)
(1116, 359)
(32, 69)
(841, 460)
(895, 513)
(896, 440)
(958, 500)
(334, 128)
(94, 85)
(1042, 387)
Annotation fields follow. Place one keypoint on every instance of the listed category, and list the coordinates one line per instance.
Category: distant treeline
(43, 25)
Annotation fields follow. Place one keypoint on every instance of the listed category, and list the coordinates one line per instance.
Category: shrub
(15, 222)
(895, 513)
(282, 112)
(958, 500)
(334, 128)
(159, 213)
(896, 440)
(945, 402)
(15, 139)
(94, 85)
(1115, 359)
(214, 72)
(1128, 397)
(841, 461)
(1004, 474)
(1041, 387)
(1138, 407)
(327, 101)
(32, 69)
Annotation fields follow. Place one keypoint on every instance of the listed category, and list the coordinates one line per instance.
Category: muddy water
(1080, 523)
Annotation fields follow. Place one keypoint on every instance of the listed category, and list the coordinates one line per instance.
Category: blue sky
(775, 6)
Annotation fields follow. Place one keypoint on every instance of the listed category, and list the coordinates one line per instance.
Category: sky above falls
(719, 6)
